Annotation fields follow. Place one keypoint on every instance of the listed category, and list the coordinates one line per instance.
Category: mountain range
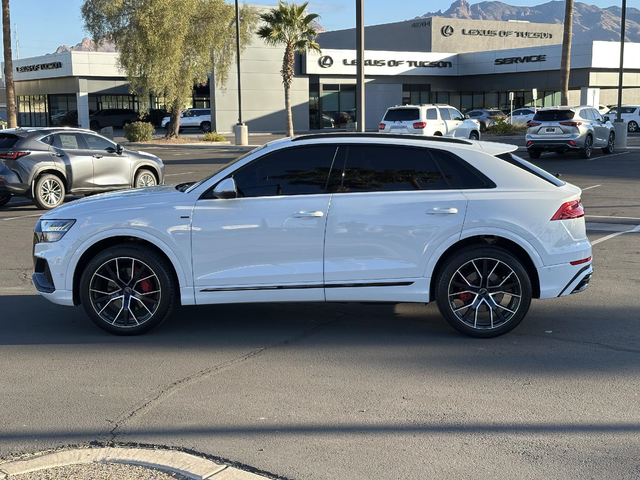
(589, 22)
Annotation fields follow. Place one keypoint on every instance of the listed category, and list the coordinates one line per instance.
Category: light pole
(360, 65)
(621, 128)
(241, 130)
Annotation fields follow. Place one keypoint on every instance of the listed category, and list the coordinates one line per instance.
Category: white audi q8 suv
(326, 218)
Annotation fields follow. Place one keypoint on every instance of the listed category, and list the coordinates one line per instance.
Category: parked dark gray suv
(44, 164)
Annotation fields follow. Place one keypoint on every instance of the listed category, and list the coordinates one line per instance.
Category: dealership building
(465, 63)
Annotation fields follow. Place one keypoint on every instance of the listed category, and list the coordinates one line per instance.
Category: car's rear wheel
(588, 147)
(145, 178)
(483, 291)
(535, 154)
(474, 136)
(48, 192)
(610, 144)
(4, 199)
(205, 127)
(94, 125)
(632, 126)
(127, 290)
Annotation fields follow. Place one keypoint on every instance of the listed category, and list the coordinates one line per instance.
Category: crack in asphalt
(183, 382)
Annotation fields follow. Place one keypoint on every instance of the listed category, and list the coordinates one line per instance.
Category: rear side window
(292, 171)
(379, 168)
(432, 114)
(587, 114)
(402, 115)
(8, 140)
(444, 113)
(553, 115)
(531, 168)
(68, 141)
(458, 173)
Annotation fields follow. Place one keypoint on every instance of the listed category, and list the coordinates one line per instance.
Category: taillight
(420, 125)
(533, 124)
(382, 126)
(13, 155)
(569, 210)
(571, 124)
(578, 262)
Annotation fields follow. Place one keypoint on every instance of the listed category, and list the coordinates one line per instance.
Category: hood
(121, 200)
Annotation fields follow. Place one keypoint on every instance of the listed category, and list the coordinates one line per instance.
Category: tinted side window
(94, 142)
(596, 115)
(291, 171)
(444, 113)
(402, 115)
(475, 113)
(458, 173)
(455, 114)
(586, 114)
(7, 140)
(68, 141)
(375, 168)
(432, 114)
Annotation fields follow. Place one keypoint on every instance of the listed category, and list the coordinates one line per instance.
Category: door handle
(97, 156)
(442, 211)
(308, 214)
(57, 154)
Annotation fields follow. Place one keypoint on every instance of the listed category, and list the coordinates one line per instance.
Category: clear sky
(43, 25)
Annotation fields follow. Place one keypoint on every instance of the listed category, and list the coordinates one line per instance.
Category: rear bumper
(565, 279)
(11, 183)
(553, 145)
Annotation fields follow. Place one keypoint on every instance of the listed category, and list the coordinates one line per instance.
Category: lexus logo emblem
(446, 31)
(325, 61)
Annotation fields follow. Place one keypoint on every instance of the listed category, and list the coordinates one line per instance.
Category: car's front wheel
(127, 290)
(588, 147)
(534, 154)
(205, 127)
(48, 192)
(610, 144)
(632, 126)
(4, 199)
(483, 291)
(474, 136)
(94, 125)
(145, 178)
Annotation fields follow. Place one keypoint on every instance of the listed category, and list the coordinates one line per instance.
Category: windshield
(197, 184)
(402, 115)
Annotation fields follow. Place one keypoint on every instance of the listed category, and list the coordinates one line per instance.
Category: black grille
(47, 273)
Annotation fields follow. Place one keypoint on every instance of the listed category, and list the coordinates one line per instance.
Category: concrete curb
(188, 465)
(134, 146)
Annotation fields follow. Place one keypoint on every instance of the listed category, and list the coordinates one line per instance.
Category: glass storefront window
(466, 102)
(491, 100)
(338, 105)
(32, 111)
(63, 110)
(415, 94)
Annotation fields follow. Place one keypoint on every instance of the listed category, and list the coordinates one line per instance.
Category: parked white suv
(431, 120)
(629, 114)
(335, 218)
(193, 118)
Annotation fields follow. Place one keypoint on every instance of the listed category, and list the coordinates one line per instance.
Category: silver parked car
(562, 129)
(44, 164)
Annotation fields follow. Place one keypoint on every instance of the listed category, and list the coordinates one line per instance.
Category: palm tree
(565, 62)
(289, 25)
(8, 65)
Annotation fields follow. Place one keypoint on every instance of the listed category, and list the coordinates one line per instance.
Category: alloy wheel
(146, 180)
(485, 293)
(633, 126)
(588, 146)
(51, 192)
(125, 292)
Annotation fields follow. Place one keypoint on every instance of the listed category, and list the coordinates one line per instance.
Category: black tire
(483, 127)
(464, 272)
(632, 126)
(205, 127)
(168, 126)
(125, 122)
(101, 297)
(48, 192)
(437, 134)
(611, 144)
(588, 147)
(4, 199)
(145, 178)
(94, 125)
(534, 154)
(474, 135)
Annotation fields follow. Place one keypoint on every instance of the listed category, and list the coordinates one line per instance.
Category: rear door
(461, 127)
(391, 210)
(110, 170)
(70, 149)
(401, 120)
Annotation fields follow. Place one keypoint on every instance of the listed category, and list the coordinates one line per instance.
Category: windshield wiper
(181, 187)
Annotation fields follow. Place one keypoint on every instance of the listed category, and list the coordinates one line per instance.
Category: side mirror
(226, 189)
(606, 118)
(119, 149)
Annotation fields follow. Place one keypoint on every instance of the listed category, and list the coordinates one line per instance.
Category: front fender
(149, 165)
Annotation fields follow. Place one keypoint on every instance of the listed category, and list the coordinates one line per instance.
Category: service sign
(343, 62)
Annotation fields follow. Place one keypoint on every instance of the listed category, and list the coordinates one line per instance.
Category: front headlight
(51, 230)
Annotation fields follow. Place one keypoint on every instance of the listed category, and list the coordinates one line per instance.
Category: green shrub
(213, 137)
(502, 127)
(138, 131)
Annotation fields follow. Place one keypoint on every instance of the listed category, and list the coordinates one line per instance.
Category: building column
(590, 96)
(82, 101)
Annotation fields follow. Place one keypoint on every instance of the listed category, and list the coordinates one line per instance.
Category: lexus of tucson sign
(448, 31)
(38, 66)
(343, 62)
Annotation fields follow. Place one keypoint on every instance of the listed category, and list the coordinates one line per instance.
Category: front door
(392, 211)
(267, 244)
(110, 170)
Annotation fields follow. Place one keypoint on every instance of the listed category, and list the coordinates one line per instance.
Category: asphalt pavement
(344, 391)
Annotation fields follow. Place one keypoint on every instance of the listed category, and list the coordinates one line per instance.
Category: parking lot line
(592, 186)
(614, 217)
(23, 216)
(609, 237)
(176, 174)
(607, 156)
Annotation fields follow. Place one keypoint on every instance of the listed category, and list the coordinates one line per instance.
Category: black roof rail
(313, 136)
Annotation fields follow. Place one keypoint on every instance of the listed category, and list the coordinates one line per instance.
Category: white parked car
(193, 118)
(335, 218)
(431, 120)
(629, 114)
(521, 116)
